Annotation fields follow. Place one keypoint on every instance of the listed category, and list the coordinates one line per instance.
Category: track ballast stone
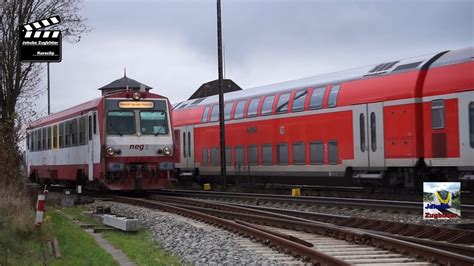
(193, 242)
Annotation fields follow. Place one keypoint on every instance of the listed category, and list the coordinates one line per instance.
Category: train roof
(338, 77)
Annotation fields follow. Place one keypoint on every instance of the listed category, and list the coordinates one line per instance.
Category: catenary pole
(221, 98)
(49, 94)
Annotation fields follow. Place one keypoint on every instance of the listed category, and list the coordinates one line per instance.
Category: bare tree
(20, 80)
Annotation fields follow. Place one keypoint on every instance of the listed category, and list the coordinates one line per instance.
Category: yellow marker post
(295, 192)
(207, 186)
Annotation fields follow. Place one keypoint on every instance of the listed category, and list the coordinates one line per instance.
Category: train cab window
(215, 113)
(471, 124)
(239, 155)
(333, 153)
(282, 105)
(74, 132)
(332, 101)
(44, 136)
(252, 111)
(267, 154)
(228, 155)
(176, 137)
(298, 101)
(437, 114)
(205, 114)
(268, 105)
(299, 153)
(48, 138)
(239, 110)
(227, 110)
(205, 159)
(120, 122)
(282, 153)
(55, 137)
(252, 153)
(61, 135)
(153, 122)
(82, 130)
(316, 100)
(215, 158)
(316, 152)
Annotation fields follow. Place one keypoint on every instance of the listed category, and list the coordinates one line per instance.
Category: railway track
(316, 242)
(354, 203)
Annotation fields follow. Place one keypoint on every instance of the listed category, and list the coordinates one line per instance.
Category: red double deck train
(120, 141)
(398, 123)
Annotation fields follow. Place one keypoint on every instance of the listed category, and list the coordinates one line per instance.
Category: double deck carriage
(122, 140)
(395, 124)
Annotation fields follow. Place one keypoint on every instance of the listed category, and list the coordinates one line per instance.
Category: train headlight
(136, 96)
(110, 151)
(167, 150)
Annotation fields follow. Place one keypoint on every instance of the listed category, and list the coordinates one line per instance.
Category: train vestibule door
(90, 146)
(187, 147)
(375, 132)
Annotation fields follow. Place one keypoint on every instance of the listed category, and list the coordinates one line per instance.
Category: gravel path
(194, 242)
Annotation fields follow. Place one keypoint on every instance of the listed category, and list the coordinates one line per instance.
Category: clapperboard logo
(40, 45)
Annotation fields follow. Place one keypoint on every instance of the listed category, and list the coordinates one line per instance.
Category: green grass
(19, 250)
(137, 246)
(77, 247)
(140, 248)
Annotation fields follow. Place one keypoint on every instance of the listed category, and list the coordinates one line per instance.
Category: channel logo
(441, 200)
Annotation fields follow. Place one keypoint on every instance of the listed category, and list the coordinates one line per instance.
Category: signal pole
(221, 98)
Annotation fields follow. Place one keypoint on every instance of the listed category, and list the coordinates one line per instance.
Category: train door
(361, 146)
(90, 146)
(376, 147)
(466, 129)
(187, 147)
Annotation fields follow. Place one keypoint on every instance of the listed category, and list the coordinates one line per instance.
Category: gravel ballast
(193, 242)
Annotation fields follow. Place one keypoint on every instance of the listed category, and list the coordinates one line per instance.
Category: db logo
(137, 147)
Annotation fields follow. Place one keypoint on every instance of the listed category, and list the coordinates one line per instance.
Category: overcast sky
(172, 47)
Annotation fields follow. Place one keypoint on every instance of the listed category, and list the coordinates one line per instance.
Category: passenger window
(239, 155)
(298, 102)
(215, 113)
(205, 114)
(176, 137)
(316, 100)
(267, 105)
(205, 159)
(373, 132)
(27, 140)
(228, 155)
(471, 124)
(333, 156)
(48, 137)
(227, 110)
(215, 158)
(90, 127)
(82, 131)
(316, 152)
(299, 153)
(332, 101)
(252, 111)
(282, 106)
(437, 114)
(282, 153)
(95, 123)
(74, 132)
(252, 153)
(362, 132)
(184, 145)
(267, 154)
(61, 135)
(239, 110)
(43, 138)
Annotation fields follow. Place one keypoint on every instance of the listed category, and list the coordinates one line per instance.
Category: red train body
(396, 123)
(120, 141)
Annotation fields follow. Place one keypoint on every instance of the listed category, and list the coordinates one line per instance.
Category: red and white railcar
(395, 123)
(120, 141)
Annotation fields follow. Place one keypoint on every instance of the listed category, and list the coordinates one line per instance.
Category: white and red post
(40, 208)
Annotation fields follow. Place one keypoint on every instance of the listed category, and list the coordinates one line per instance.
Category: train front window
(153, 122)
(120, 122)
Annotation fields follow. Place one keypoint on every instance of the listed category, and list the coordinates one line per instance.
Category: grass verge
(137, 246)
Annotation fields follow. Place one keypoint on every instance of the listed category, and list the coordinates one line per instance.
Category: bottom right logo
(441, 200)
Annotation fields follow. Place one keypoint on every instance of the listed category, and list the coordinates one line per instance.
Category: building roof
(123, 84)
